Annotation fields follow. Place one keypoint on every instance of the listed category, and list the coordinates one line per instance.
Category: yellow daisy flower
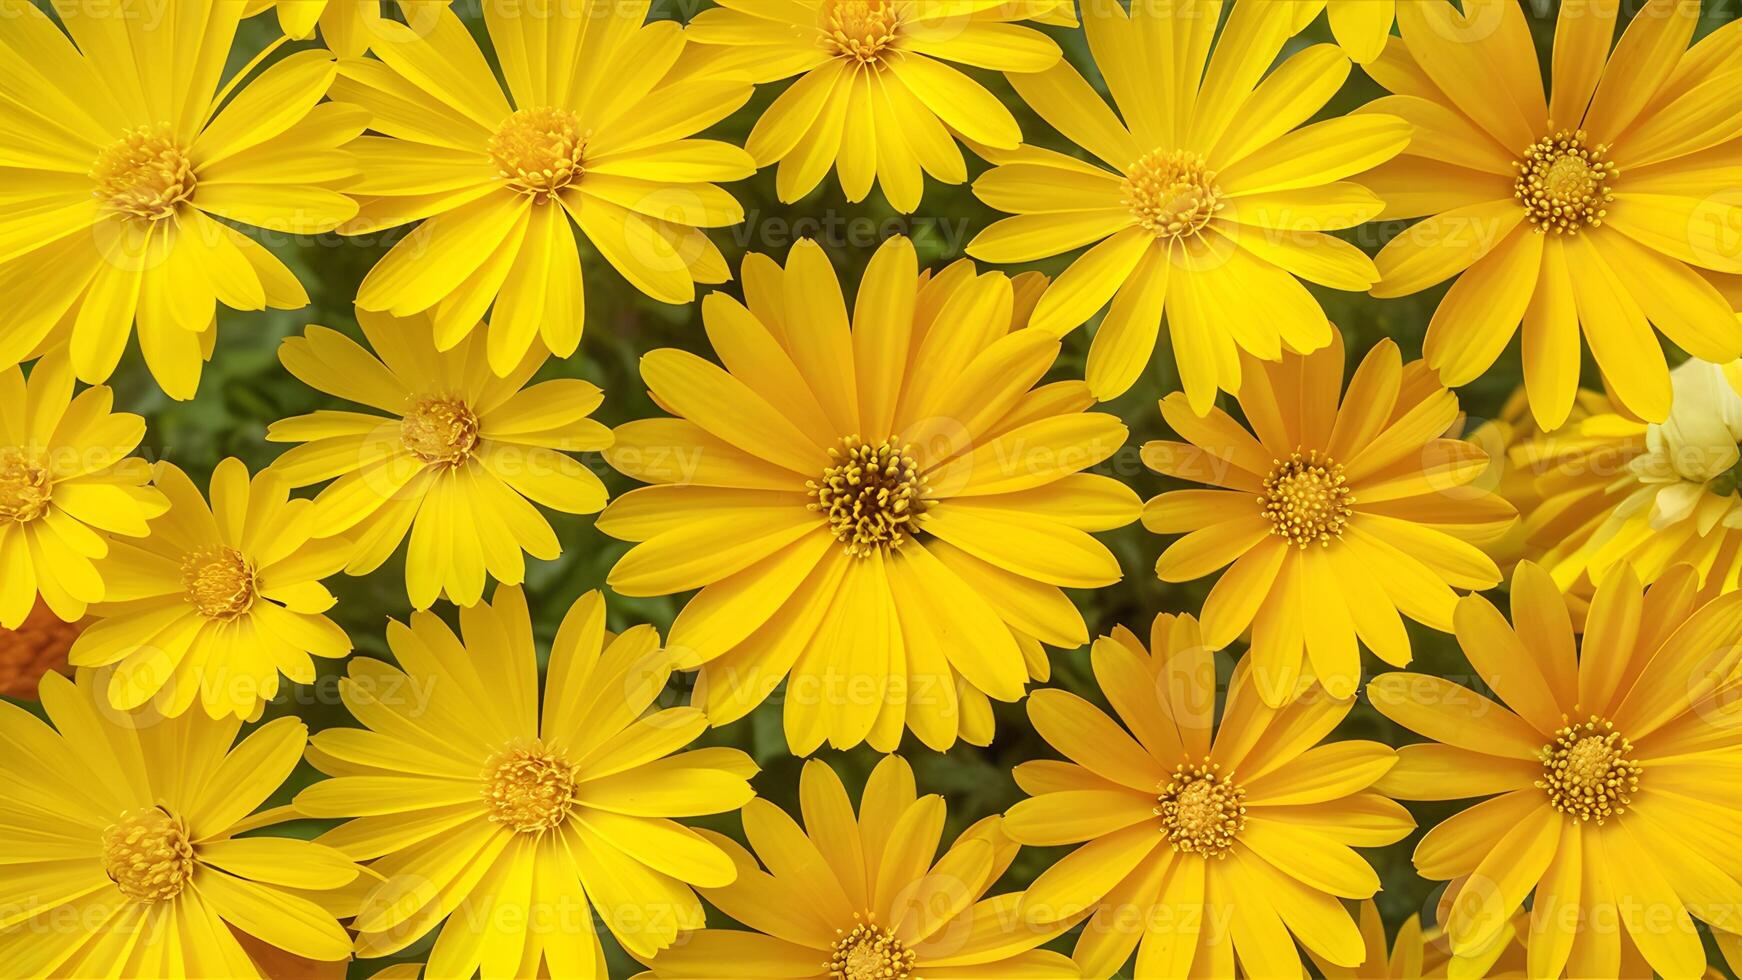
(348, 27)
(885, 511)
(1210, 202)
(219, 600)
(456, 465)
(1335, 516)
(865, 896)
(1419, 952)
(1592, 209)
(118, 839)
(1201, 844)
(121, 151)
(1609, 775)
(511, 823)
(67, 484)
(598, 136)
(876, 96)
(1360, 26)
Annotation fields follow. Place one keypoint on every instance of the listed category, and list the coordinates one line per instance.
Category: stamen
(1307, 499)
(440, 430)
(874, 496)
(859, 30)
(539, 151)
(147, 855)
(1588, 772)
(868, 952)
(1202, 810)
(529, 788)
(145, 175)
(26, 485)
(1171, 193)
(1563, 183)
(219, 581)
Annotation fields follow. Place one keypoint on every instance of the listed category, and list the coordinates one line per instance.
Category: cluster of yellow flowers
(879, 505)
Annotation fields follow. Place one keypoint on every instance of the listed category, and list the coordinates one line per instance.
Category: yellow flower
(512, 823)
(1200, 843)
(875, 96)
(1609, 774)
(597, 136)
(860, 897)
(67, 484)
(454, 465)
(347, 26)
(1595, 209)
(1336, 517)
(1420, 952)
(121, 854)
(885, 511)
(1361, 27)
(127, 154)
(1208, 202)
(218, 601)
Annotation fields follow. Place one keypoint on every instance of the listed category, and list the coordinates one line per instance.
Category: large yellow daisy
(1332, 517)
(1595, 209)
(455, 463)
(865, 896)
(119, 846)
(348, 27)
(593, 130)
(1211, 200)
(67, 484)
(120, 152)
(218, 600)
(876, 97)
(516, 824)
(1610, 774)
(884, 509)
(1202, 844)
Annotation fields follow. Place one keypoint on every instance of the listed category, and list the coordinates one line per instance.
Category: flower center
(440, 430)
(529, 788)
(1587, 772)
(1307, 499)
(1202, 810)
(219, 581)
(1171, 193)
(869, 952)
(860, 30)
(1564, 183)
(874, 496)
(25, 485)
(147, 855)
(145, 174)
(539, 151)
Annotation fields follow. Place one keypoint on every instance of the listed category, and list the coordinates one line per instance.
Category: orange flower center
(1202, 810)
(440, 430)
(538, 152)
(219, 581)
(868, 952)
(860, 30)
(1563, 182)
(874, 496)
(25, 485)
(529, 788)
(1588, 772)
(1171, 193)
(1307, 499)
(144, 175)
(147, 855)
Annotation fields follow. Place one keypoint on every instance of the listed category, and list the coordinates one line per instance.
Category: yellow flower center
(539, 151)
(868, 952)
(1307, 499)
(1171, 193)
(529, 788)
(440, 430)
(1202, 810)
(1563, 183)
(874, 496)
(1587, 772)
(25, 485)
(219, 581)
(144, 175)
(860, 30)
(147, 855)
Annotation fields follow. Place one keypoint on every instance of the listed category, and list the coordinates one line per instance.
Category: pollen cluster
(147, 855)
(1563, 182)
(1306, 499)
(538, 152)
(1171, 193)
(25, 485)
(869, 952)
(1202, 810)
(872, 495)
(219, 581)
(859, 30)
(440, 430)
(529, 788)
(1587, 771)
(144, 175)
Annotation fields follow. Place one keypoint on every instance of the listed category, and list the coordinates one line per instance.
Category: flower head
(455, 463)
(219, 600)
(1337, 512)
(882, 509)
(463, 793)
(1201, 843)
